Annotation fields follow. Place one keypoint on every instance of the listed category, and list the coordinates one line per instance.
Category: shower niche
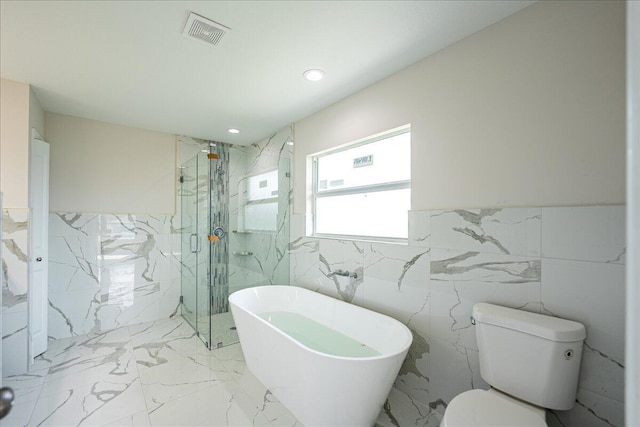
(234, 206)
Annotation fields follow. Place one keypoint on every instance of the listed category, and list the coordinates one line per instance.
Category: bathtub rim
(387, 355)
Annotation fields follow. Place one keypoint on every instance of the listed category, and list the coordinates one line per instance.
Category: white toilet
(530, 360)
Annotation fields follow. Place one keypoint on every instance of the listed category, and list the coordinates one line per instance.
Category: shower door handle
(194, 243)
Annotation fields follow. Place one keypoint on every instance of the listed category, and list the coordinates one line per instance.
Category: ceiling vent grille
(204, 29)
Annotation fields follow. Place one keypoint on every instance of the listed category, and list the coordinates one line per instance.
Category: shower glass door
(194, 200)
(235, 210)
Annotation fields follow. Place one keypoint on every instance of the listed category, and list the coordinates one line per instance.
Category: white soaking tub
(330, 363)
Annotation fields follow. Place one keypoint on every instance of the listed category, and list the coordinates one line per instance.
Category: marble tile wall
(567, 262)
(268, 262)
(108, 271)
(15, 246)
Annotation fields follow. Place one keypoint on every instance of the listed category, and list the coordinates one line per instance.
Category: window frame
(380, 187)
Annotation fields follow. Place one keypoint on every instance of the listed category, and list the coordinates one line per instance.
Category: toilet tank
(533, 357)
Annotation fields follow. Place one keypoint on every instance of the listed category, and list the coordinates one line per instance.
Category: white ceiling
(128, 62)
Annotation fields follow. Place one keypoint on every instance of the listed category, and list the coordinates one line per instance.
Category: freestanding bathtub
(330, 363)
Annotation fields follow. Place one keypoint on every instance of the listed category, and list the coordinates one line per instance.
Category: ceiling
(128, 62)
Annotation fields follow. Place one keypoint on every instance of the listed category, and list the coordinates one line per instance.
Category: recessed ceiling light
(313, 75)
(233, 130)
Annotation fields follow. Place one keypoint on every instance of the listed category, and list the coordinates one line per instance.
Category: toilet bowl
(531, 361)
(483, 408)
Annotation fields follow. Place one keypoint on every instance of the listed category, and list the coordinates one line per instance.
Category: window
(261, 203)
(364, 190)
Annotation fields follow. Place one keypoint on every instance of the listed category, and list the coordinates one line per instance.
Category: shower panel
(205, 246)
(233, 235)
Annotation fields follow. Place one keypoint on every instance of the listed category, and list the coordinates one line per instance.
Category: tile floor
(158, 374)
(154, 374)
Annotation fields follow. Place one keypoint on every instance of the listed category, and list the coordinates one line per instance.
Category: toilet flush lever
(473, 321)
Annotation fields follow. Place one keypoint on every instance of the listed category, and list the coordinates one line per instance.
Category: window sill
(365, 239)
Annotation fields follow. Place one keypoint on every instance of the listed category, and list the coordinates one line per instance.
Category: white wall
(527, 112)
(105, 168)
(14, 143)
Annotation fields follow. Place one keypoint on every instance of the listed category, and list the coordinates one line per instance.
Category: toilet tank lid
(547, 327)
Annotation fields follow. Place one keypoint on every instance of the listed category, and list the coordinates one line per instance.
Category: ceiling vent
(204, 29)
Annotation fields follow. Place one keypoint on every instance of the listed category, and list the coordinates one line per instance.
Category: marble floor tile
(93, 404)
(401, 410)
(154, 374)
(26, 388)
(223, 404)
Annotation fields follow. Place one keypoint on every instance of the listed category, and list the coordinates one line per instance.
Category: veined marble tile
(165, 382)
(413, 378)
(121, 226)
(111, 270)
(14, 256)
(266, 402)
(591, 410)
(14, 340)
(219, 404)
(461, 279)
(591, 233)
(94, 404)
(590, 293)
(601, 374)
(305, 262)
(73, 313)
(160, 332)
(157, 223)
(403, 410)
(346, 255)
(454, 369)
(67, 224)
(74, 263)
(396, 280)
(107, 356)
(267, 263)
(27, 389)
(169, 298)
(129, 303)
(420, 228)
(139, 248)
(286, 420)
(233, 359)
(511, 231)
(139, 419)
(20, 414)
(27, 385)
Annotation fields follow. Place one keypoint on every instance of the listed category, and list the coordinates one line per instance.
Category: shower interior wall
(254, 250)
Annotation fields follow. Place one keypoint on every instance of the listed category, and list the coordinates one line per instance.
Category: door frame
(33, 301)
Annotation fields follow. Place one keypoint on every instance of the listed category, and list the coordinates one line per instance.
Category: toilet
(531, 361)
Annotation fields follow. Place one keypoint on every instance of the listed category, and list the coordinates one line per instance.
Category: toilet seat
(480, 408)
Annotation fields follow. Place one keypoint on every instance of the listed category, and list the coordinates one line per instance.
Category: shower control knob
(218, 232)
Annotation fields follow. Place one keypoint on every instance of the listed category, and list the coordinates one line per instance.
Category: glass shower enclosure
(234, 209)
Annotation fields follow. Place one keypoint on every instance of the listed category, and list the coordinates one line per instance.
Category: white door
(39, 246)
